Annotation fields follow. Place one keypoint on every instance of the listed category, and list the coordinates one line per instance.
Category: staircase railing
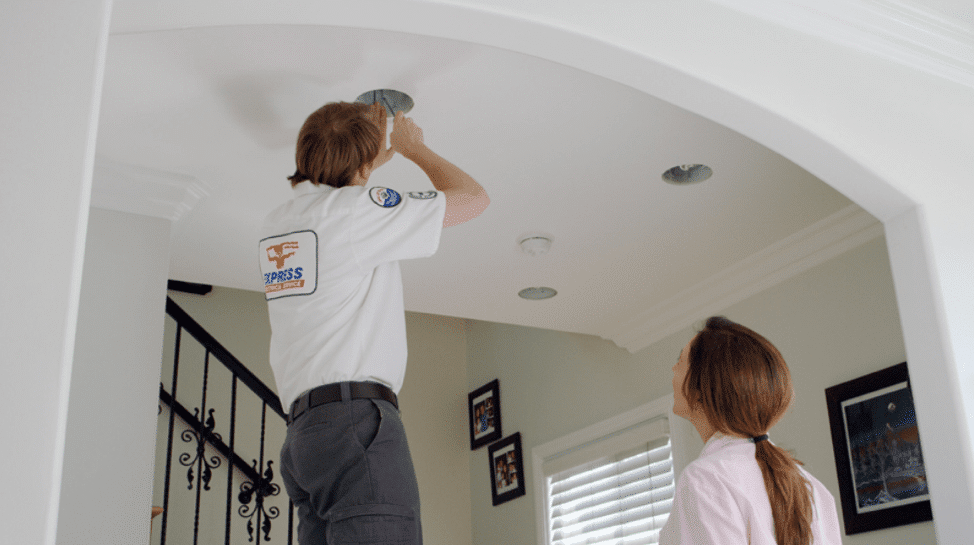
(254, 482)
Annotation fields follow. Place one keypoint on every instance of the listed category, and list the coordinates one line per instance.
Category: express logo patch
(422, 194)
(385, 197)
(289, 264)
(280, 252)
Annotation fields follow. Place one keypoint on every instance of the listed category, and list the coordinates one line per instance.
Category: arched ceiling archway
(570, 117)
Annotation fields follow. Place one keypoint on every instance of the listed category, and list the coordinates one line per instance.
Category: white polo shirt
(329, 260)
(721, 499)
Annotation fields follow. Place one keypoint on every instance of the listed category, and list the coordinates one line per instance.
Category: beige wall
(238, 319)
(833, 323)
(433, 400)
(551, 384)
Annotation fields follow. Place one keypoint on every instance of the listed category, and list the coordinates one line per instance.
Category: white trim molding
(828, 238)
(899, 30)
(144, 191)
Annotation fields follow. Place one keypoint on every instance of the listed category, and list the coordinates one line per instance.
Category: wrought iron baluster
(290, 522)
(203, 433)
(200, 441)
(257, 491)
(233, 423)
(260, 499)
(172, 423)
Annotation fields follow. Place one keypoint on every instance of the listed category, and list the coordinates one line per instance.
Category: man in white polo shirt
(329, 259)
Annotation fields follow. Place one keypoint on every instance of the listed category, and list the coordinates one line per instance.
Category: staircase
(219, 435)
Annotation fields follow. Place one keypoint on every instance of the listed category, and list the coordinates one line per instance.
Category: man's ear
(383, 156)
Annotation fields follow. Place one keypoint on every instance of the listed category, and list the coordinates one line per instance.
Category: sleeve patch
(385, 197)
(422, 194)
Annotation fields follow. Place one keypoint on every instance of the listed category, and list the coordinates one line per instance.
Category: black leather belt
(329, 393)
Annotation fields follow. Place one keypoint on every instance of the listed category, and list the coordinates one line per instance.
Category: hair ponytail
(791, 499)
(744, 387)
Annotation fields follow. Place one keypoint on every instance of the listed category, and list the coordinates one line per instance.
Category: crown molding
(903, 31)
(144, 191)
(830, 237)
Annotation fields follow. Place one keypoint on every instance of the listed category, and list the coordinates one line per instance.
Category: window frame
(685, 444)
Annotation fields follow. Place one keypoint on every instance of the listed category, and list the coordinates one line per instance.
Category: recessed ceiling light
(394, 101)
(687, 174)
(537, 294)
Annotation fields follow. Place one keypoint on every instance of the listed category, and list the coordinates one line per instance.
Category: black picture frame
(875, 436)
(506, 469)
(484, 409)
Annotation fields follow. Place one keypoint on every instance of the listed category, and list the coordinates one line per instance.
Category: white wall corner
(830, 237)
(144, 191)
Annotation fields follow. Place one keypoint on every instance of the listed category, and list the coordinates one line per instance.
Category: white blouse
(720, 499)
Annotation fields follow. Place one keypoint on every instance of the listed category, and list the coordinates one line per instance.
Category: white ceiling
(560, 151)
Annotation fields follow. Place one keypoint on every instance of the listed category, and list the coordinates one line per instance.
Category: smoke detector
(394, 101)
(535, 245)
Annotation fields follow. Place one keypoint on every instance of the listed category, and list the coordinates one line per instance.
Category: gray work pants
(347, 468)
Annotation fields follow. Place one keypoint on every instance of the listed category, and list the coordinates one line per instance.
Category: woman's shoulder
(817, 485)
(725, 462)
(725, 465)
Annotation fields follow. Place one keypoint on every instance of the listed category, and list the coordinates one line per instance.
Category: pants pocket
(366, 421)
(374, 524)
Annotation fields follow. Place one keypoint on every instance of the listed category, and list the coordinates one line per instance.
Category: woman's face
(680, 405)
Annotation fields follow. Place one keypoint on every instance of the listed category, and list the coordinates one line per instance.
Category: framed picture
(506, 469)
(484, 405)
(882, 479)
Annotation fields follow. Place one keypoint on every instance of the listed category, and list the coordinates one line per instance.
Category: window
(609, 484)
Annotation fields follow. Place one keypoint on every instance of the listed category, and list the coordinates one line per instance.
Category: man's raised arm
(465, 198)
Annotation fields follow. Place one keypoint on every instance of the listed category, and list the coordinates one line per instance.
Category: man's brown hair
(336, 141)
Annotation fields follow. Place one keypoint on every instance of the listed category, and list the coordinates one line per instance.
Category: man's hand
(377, 114)
(407, 137)
(465, 198)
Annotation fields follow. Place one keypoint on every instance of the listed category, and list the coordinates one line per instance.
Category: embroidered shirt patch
(422, 194)
(289, 264)
(385, 197)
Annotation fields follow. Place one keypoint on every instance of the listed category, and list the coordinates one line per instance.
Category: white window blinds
(616, 490)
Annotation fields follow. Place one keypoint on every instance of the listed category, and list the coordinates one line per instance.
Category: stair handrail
(225, 357)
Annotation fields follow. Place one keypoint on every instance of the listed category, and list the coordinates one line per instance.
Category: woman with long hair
(733, 385)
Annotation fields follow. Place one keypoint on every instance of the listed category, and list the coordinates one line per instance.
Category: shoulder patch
(385, 197)
(422, 194)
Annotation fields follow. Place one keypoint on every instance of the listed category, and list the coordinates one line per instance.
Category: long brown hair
(335, 142)
(743, 385)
